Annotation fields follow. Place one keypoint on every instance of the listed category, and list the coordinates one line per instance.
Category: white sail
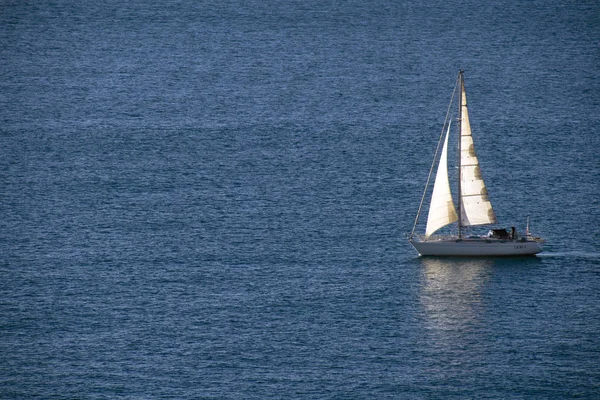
(441, 208)
(476, 208)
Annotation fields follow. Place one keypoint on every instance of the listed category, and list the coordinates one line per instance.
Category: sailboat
(474, 206)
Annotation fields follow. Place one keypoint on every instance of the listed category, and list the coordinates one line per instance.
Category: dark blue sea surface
(209, 199)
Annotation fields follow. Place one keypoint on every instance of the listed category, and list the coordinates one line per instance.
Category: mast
(460, 105)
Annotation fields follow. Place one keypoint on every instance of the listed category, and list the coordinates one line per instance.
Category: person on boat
(513, 233)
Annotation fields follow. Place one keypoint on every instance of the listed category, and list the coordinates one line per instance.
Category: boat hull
(476, 247)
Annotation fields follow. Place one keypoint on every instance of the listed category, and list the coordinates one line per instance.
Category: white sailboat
(474, 206)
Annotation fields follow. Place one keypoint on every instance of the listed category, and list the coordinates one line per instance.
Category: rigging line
(437, 150)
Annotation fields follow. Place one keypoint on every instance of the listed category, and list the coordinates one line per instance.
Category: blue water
(209, 199)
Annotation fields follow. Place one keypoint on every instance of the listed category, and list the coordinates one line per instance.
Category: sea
(210, 199)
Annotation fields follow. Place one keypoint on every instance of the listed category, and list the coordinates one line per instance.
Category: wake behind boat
(474, 206)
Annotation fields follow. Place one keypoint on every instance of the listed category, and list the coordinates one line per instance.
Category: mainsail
(441, 208)
(476, 208)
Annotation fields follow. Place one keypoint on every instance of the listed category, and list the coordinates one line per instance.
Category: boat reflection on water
(452, 309)
(451, 296)
(457, 297)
